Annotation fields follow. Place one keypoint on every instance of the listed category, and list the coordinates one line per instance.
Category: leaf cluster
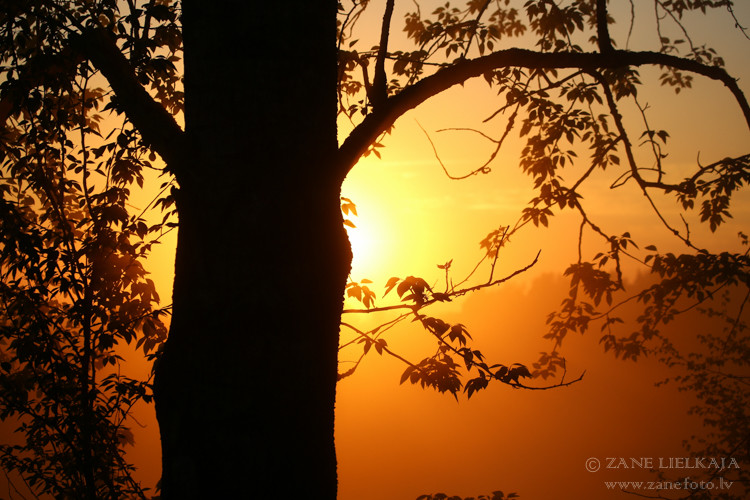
(74, 290)
(454, 359)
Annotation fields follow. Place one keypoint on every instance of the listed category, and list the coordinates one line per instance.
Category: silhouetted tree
(245, 385)
(71, 260)
(716, 372)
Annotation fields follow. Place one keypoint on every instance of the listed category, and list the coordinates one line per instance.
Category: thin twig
(481, 170)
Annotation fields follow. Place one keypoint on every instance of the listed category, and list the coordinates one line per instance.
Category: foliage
(716, 373)
(74, 288)
(442, 370)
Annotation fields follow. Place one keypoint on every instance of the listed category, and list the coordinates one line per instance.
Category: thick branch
(602, 30)
(379, 81)
(156, 125)
(381, 119)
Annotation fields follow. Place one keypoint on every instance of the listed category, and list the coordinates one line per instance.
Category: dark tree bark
(246, 385)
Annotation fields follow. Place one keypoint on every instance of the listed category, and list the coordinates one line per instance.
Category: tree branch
(476, 23)
(602, 30)
(379, 89)
(481, 170)
(384, 117)
(156, 125)
(451, 294)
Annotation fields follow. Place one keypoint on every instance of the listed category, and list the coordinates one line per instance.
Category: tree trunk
(246, 384)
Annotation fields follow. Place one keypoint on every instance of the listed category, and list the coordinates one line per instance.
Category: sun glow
(365, 248)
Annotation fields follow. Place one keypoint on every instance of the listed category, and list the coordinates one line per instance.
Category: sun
(367, 249)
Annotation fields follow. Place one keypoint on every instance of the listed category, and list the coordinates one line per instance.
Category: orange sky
(402, 441)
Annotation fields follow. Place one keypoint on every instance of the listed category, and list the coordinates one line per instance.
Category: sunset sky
(399, 441)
